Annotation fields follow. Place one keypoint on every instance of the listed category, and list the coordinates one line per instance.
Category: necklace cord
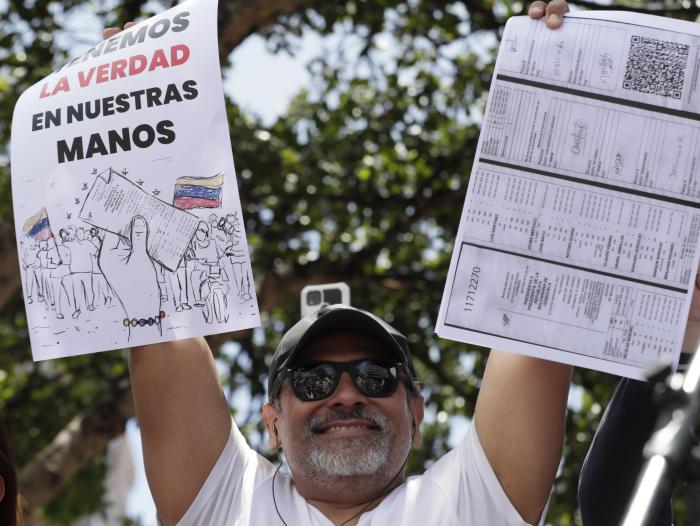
(273, 487)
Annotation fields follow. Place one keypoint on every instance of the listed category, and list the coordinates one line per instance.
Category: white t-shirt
(460, 489)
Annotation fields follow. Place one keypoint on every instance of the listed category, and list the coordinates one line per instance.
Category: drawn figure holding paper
(132, 275)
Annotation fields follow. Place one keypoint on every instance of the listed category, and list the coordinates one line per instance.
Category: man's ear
(274, 442)
(417, 412)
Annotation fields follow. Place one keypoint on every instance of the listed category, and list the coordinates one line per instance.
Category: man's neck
(344, 501)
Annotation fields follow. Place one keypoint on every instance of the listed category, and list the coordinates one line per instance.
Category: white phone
(313, 297)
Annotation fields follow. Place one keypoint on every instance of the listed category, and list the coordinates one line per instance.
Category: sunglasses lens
(317, 381)
(314, 382)
(376, 379)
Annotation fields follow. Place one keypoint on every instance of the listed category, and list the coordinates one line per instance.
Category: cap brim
(347, 319)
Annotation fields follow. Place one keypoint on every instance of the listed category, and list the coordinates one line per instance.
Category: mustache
(317, 422)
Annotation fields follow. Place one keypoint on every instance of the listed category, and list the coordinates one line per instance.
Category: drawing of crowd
(63, 272)
(214, 267)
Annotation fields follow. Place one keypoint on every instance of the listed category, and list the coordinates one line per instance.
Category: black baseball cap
(331, 318)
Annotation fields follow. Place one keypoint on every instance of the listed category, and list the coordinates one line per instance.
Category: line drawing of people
(83, 252)
(59, 257)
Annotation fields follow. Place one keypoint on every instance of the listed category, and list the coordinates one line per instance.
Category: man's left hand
(553, 12)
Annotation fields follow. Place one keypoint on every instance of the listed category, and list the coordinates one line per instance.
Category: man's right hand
(552, 12)
(109, 32)
(182, 412)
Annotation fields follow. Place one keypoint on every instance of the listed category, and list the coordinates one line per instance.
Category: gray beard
(353, 457)
(347, 456)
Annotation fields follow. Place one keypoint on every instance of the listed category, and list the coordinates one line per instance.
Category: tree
(361, 181)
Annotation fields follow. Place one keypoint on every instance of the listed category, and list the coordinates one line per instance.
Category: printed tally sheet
(578, 241)
(127, 212)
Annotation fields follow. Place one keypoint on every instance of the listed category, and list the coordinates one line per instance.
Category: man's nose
(346, 393)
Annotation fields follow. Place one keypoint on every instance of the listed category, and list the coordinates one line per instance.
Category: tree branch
(241, 18)
(83, 437)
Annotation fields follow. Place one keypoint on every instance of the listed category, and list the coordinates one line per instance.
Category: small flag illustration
(37, 226)
(198, 192)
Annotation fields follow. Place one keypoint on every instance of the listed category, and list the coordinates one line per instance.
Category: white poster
(127, 213)
(578, 241)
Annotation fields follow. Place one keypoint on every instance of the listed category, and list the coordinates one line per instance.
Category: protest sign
(127, 213)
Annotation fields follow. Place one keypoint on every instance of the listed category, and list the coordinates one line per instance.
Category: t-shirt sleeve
(466, 476)
(230, 484)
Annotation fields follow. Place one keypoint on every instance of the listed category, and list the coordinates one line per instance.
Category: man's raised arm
(520, 420)
(182, 412)
(184, 419)
(521, 410)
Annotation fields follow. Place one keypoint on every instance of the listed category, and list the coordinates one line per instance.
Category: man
(344, 409)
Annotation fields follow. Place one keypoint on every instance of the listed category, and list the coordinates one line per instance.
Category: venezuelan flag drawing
(37, 226)
(198, 192)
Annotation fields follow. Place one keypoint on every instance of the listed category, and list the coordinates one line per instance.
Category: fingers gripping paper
(129, 224)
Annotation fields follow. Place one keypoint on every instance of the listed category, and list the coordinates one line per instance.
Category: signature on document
(605, 63)
(579, 134)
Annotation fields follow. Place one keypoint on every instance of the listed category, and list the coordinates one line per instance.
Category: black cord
(382, 494)
(273, 486)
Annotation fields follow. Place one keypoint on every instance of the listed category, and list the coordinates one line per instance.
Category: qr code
(656, 67)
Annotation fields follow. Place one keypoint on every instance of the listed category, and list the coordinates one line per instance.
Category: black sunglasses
(315, 381)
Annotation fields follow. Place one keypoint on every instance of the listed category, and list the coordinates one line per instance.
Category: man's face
(348, 434)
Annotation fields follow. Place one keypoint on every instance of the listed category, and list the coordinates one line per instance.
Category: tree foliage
(361, 180)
